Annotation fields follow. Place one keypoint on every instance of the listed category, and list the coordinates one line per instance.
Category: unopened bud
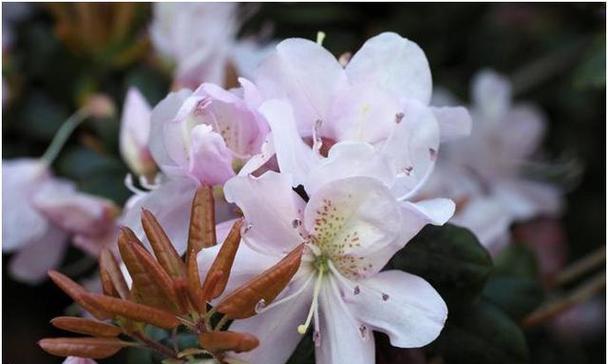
(100, 106)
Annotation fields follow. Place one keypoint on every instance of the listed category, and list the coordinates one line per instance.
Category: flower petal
(270, 207)
(276, 328)
(210, 161)
(306, 74)
(523, 132)
(395, 64)
(293, 155)
(22, 224)
(404, 306)
(32, 263)
(491, 95)
(412, 148)
(454, 122)
(342, 338)
(134, 133)
(526, 199)
(348, 159)
(77, 360)
(355, 220)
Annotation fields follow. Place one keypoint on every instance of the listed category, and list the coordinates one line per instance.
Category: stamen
(398, 117)
(317, 141)
(261, 306)
(320, 38)
(150, 186)
(131, 185)
(313, 307)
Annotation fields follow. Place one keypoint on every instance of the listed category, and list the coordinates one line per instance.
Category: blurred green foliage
(554, 53)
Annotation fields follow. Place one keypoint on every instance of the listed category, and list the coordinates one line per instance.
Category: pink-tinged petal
(94, 244)
(247, 264)
(412, 148)
(276, 327)
(22, 224)
(32, 263)
(404, 306)
(417, 215)
(343, 338)
(293, 155)
(256, 162)
(174, 216)
(348, 159)
(210, 159)
(489, 219)
(251, 94)
(74, 212)
(134, 133)
(522, 131)
(307, 75)
(491, 95)
(248, 54)
(242, 127)
(271, 209)
(362, 113)
(358, 221)
(395, 64)
(77, 360)
(163, 114)
(527, 199)
(454, 122)
(201, 66)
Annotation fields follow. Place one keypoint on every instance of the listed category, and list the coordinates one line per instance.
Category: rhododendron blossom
(135, 132)
(380, 97)
(351, 227)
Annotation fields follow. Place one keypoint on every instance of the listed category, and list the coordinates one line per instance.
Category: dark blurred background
(554, 53)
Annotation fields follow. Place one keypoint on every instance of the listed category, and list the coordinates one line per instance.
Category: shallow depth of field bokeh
(553, 53)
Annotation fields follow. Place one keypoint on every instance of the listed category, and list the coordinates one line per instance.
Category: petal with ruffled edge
(276, 328)
(173, 217)
(210, 161)
(404, 306)
(22, 224)
(412, 148)
(343, 339)
(271, 209)
(353, 220)
(305, 73)
(395, 64)
(162, 114)
(361, 113)
(348, 159)
(293, 155)
(32, 263)
(454, 122)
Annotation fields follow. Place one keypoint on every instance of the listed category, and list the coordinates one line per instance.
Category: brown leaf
(132, 310)
(85, 326)
(223, 261)
(220, 341)
(76, 291)
(265, 286)
(111, 275)
(194, 283)
(152, 285)
(84, 347)
(161, 244)
(202, 220)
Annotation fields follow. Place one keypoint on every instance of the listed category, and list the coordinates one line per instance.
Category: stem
(581, 267)
(63, 134)
(580, 295)
(153, 345)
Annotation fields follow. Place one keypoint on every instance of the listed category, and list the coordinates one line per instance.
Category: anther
(398, 117)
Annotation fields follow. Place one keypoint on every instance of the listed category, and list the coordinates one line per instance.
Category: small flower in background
(41, 213)
(77, 360)
(486, 172)
(350, 228)
(135, 133)
(200, 38)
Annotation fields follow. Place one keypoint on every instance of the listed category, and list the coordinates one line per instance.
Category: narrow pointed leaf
(223, 261)
(85, 326)
(133, 311)
(161, 244)
(76, 292)
(194, 284)
(110, 272)
(262, 288)
(220, 341)
(84, 347)
(151, 284)
(202, 220)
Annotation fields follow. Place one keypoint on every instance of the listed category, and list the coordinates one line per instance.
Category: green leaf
(41, 117)
(516, 260)
(482, 334)
(450, 258)
(304, 353)
(516, 296)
